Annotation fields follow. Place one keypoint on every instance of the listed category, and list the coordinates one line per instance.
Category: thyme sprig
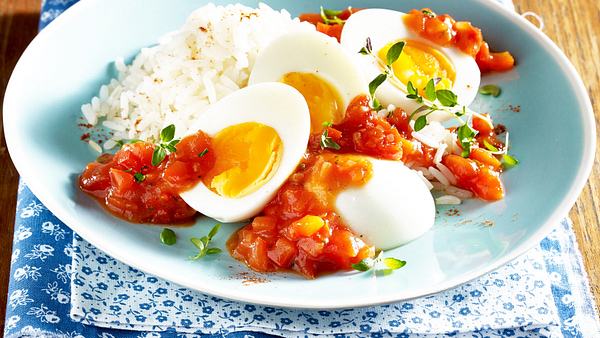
(379, 264)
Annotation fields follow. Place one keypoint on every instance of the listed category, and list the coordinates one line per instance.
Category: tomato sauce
(298, 230)
(130, 187)
(445, 31)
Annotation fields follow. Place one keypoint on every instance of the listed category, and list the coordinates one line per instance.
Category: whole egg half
(259, 135)
(318, 67)
(419, 62)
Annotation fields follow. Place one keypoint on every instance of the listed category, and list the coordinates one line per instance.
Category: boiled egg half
(318, 67)
(259, 135)
(392, 208)
(419, 62)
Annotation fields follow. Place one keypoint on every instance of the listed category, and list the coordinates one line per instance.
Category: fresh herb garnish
(373, 85)
(430, 93)
(202, 243)
(390, 264)
(394, 53)
(203, 152)
(466, 137)
(509, 161)
(490, 146)
(327, 124)
(327, 142)
(391, 56)
(420, 122)
(139, 177)
(447, 98)
(490, 89)
(168, 237)
(167, 145)
(330, 16)
(428, 13)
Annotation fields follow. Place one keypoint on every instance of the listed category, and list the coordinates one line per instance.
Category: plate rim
(568, 200)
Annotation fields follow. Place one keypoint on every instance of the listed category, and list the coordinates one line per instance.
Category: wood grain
(574, 25)
(18, 25)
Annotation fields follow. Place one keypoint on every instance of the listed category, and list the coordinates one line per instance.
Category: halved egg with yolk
(419, 62)
(318, 67)
(259, 135)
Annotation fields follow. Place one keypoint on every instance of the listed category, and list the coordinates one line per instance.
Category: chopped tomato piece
(335, 30)
(477, 177)
(313, 18)
(121, 180)
(283, 252)
(485, 157)
(468, 38)
(490, 61)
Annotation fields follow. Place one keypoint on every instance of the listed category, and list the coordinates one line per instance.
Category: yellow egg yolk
(323, 100)
(247, 156)
(420, 63)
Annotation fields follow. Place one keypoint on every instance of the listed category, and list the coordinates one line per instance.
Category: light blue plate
(552, 135)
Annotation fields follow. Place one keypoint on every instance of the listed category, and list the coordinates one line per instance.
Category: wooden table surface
(574, 25)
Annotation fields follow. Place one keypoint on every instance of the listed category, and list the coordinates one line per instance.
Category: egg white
(384, 26)
(393, 208)
(310, 52)
(273, 104)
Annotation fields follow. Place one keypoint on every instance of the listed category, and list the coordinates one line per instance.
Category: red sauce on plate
(130, 187)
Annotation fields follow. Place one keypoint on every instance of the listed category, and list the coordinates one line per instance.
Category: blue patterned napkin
(62, 286)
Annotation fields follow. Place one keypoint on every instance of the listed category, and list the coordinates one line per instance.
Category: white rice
(178, 79)
(447, 200)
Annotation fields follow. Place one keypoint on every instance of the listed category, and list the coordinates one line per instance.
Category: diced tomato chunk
(468, 38)
(490, 61)
(283, 252)
(306, 226)
(485, 157)
(477, 177)
(335, 30)
(121, 180)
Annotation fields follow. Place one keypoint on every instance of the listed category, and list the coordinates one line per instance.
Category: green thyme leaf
(490, 89)
(167, 133)
(168, 237)
(394, 52)
(158, 155)
(327, 142)
(363, 51)
(509, 161)
(198, 243)
(364, 265)
(202, 244)
(377, 81)
(213, 251)
(203, 152)
(489, 146)
(328, 16)
(410, 88)
(327, 124)
(214, 231)
(421, 122)
(447, 98)
(332, 12)
(428, 13)
(139, 177)
(430, 93)
(466, 136)
(393, 263)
